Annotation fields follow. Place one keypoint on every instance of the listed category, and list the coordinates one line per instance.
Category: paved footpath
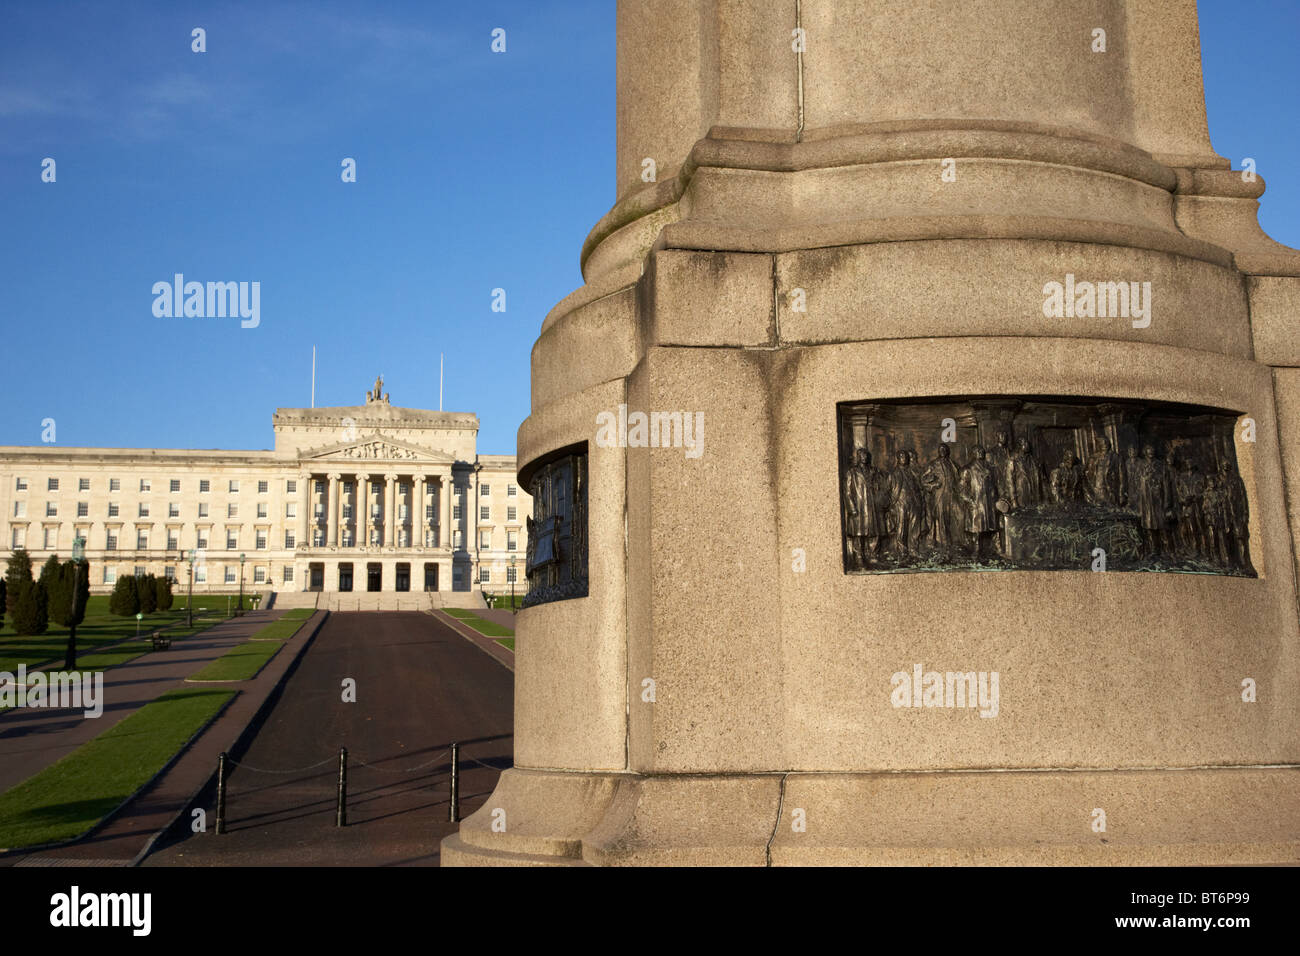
(33, 738)
(419, 686)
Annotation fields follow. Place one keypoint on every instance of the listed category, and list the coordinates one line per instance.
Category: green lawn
(506, 642)
(298, 614)
(68, 798)
(98, 629)
(486, 628)
(239, 663)
(280, 630)
(502, 601)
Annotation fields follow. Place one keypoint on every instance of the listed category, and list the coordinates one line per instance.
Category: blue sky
(475, 171)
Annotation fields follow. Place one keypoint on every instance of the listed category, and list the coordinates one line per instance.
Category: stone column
(304, 503)
(332, 511)
(417, 513)
(390, 509)
(363, 511)
(444, 511)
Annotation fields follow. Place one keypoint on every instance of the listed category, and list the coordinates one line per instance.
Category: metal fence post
(221, 792)
(455, 783)
(341, 816)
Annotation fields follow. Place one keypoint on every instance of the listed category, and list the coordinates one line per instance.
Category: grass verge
(280, 630)
(239, 663)
(486, 628)
(506, 642)
(71, 796)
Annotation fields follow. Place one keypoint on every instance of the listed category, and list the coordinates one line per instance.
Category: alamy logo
(1101, 300)
(74, 908)
(56, 689)
(656, 430)
(216, 300)
(923, 688)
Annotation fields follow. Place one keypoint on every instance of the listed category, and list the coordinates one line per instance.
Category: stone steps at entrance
(378, 600)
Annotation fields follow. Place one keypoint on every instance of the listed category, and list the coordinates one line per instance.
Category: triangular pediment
(376, 448)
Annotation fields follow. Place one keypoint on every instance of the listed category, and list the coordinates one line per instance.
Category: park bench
(160, 641)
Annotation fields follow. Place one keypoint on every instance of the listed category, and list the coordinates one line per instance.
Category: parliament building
(369, 497)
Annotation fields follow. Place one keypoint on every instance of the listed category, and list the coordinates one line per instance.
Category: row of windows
(261, 574)
(232, 510)
(263, 487)
(174, 485)
(111, 539)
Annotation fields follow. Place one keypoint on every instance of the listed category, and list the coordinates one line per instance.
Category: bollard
(341, 817)
(455, 783)
(221, 792)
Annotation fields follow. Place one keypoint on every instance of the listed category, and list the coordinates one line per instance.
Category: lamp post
(77, 609)
(189, 601)
(512, 585)
(239, 607)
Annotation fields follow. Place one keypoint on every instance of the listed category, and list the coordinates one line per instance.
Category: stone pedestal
(878, 217)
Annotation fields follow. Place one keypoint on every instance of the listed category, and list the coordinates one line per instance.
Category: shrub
(148, 588)
(31, 612)
(164, 593)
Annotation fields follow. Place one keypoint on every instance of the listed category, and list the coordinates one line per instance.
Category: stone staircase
(377, 600)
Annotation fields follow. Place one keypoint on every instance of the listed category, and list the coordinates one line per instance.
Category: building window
(263, 487)
(233, 486)
(511, 575)
(110, 575)
(261, 540)
(485, 513)
(485, 540)
(290, 539)
(142, 540)
(110, 541)
(51, 538)
(232, 510)
(320, 511)
(512, 540)
(261, 509)
(291, 487)
(347, 513)
(346, 538)
(51, 510)
(173, 541)
(51, 484)
(175, 485)
(320, 487)
(20, 509)
(288, 574)
(485, 490)
(511, 491)
(203, 540)
(205, 486)
(20, 538)
(485, 576)
(347, 487)
(428, 512)
(456, 540)
(169, 573)
(20, 484)
(401, 512)
(83, 484)
(203, 509)
(318, 538)
(112, 509)
(259, 575)
(145, 484)
(455, 512)
(230, 575)
(174, 509)
(512, 513)
(232, 540)
(200, 574)
(139, 570)
(83, 509)
(115, 484)
(143, 509)
(291, 509)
